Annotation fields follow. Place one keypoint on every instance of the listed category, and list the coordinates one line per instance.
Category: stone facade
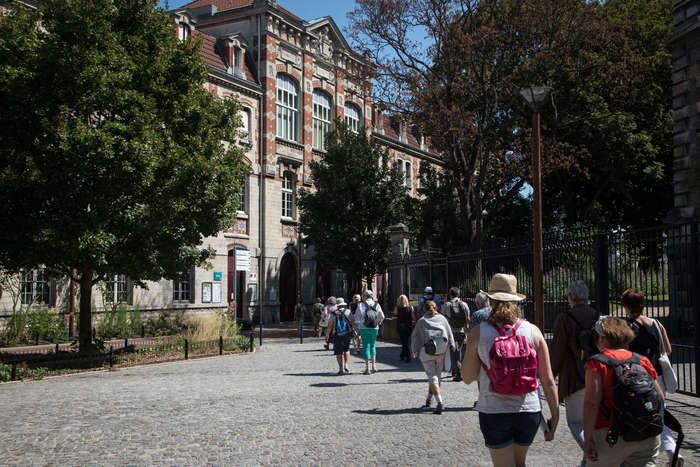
(249, 45)
(686, 107)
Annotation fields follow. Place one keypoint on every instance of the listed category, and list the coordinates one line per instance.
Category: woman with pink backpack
(507, 355)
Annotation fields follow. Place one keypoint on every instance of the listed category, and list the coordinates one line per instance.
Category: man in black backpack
(457, 313)
(573, 344)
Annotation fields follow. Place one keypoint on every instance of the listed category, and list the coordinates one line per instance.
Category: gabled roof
(318, 23)
(214, 58)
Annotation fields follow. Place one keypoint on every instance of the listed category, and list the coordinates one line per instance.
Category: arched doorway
(288, 286)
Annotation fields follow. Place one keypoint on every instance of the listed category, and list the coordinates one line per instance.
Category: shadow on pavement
(328, 385)
(410, 410)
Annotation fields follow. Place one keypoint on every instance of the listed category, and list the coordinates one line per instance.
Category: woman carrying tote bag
(430, 341)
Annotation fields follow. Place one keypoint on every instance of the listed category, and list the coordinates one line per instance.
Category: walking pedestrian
(572, 345)
(650, 340)
(404, 323)
(608, 420)
(329, 310)
(299, 313)
(457, 313)
(431, 339)
(509, 404)
(368, 317)
(428, 295)
(316, 313)
(483, 310)
(340, 332)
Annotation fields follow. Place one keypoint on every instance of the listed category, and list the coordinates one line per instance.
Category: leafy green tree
(357, 197)
(112, 152)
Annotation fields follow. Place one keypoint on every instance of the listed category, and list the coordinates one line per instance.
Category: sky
(306, 9)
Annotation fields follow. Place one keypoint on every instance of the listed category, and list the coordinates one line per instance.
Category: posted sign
(242, 259)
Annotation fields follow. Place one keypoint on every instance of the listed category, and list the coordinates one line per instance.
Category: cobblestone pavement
(281, 405)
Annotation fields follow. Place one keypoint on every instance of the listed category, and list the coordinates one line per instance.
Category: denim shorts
(503, 429)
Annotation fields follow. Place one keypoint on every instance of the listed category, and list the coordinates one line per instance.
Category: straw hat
(503, 287)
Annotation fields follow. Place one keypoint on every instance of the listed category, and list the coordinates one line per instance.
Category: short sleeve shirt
(607, 376)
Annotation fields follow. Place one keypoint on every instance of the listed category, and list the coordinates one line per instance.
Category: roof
(213, 58)
(391, 130)
(221, 5)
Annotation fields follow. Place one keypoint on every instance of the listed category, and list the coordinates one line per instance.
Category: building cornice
(382, 139)
(223, 78)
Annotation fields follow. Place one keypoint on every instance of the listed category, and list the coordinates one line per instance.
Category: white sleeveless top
(489, 401)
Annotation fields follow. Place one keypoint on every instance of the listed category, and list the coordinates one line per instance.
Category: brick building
(293, 78)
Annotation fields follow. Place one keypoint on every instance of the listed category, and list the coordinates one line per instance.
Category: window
(322, 118)
(243, 202)
(236, 58)
(245, 124)
(116, 290)
(288, 189)
(407, 169)
(35, 287)
(287, 108)
(182, 287)
(352, 117)
(183, 31)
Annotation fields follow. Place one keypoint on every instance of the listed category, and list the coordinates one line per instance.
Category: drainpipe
(261, 197)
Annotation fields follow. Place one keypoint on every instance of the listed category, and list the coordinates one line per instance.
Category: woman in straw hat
(509, 406)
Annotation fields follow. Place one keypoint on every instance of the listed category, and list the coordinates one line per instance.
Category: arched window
(322, 118)
(352, 117)
(287, 108)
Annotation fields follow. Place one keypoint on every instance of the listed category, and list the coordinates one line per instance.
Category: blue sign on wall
(217, 275)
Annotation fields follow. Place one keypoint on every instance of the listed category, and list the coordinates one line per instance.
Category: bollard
(301, 331)
(126, 342)
(111, 357)
(13, 376)
(36, 339)
(56, 348)
(252, 339)
(186, 349)
(221, 345)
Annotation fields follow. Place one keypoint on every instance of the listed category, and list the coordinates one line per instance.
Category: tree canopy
(112, 151)
(357, 197)
(609, 115)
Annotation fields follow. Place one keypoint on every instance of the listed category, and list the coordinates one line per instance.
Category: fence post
(252, 339)
(126, 342)
(36, 339)
(111, 356)
(143, 330)
(13, 376)
(221, 345)
(695, 270)
(602, 278)
(301, 331)
(186, 349)
(56, 348)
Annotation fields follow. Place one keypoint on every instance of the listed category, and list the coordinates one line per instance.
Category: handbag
(436, 345)
(669, 375)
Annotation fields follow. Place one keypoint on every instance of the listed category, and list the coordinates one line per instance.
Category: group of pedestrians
(344, 324)
(609, 370)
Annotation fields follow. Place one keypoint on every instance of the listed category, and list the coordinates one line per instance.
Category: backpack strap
(501, 330)
(605, 359)
(496, 327)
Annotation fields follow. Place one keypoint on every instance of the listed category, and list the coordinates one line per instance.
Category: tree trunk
(86, 310)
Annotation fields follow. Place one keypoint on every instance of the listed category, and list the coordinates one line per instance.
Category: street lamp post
(535, 96)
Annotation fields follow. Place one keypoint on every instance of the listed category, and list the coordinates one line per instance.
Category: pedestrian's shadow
(410, 410)
(320, 373)
(328, 385)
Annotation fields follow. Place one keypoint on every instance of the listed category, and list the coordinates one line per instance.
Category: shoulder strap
(635, 358)
(496, 327)
(517, 325)
(571, 315)
(605, 359)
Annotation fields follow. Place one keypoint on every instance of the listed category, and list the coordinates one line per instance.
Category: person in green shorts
(368, 317)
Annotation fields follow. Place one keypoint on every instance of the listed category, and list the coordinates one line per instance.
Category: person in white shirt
(368, 317)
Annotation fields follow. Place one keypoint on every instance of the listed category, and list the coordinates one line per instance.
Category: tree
(463, 90)
(112, 152)
(357, 198)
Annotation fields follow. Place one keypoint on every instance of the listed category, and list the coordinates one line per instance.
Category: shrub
(210, 326)
(5, 372)
(135, 321)
(106, 326)
(45, 325)
(15, 328)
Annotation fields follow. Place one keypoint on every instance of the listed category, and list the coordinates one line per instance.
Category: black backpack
(370, 316)
(638, 408)
(585, 339)
(645, 342)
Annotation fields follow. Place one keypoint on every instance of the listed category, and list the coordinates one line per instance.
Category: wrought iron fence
(663, 262)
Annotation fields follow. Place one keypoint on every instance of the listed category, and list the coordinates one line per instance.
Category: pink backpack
(513, 362)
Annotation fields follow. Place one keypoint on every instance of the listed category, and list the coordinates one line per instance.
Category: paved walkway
(281, 405)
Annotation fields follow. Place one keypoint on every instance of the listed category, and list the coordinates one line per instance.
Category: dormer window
(183, 31)
(236, 58)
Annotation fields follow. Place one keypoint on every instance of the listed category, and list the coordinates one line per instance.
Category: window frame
(353, 122)
(288, 192)
(35, 283)
(184, 31)
(180, 293)
(322, 118)
(287, 107)
(117, 286)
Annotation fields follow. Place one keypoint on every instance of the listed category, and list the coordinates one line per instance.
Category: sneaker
(427, 404)
(347, 370)
(438, 409)
(340, 373)
(374, 369)
(366, 372)
(456, 378)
